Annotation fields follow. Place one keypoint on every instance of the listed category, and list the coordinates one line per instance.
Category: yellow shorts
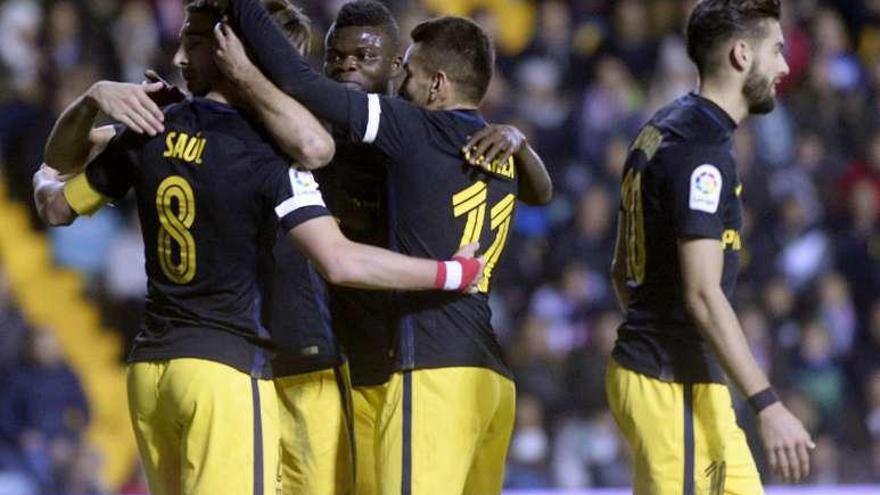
(203, 427)
(445, 431)
(316, 452)
(367, 403)
(684, 437)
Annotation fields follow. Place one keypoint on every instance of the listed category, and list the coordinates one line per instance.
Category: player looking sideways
(204, 414)
(674, 270)
(450, 370)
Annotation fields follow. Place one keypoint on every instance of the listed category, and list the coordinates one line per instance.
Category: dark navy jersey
(679, 182)
(296, 312)
(354, 186)
(206, 189)
(437, 202)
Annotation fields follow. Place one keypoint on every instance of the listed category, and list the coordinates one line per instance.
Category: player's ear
(741, 55)
(396, 66)
(439, 84)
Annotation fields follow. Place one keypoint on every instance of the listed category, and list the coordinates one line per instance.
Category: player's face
(418, 79)
(195, 55)
(767, 70)
(361, 57)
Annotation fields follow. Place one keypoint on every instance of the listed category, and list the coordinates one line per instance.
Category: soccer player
(448, 413)
(204, 414)
(676, 260)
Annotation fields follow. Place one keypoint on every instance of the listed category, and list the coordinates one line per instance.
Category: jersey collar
(714, 111)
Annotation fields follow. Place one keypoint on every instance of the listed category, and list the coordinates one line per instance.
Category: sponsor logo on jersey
(705, 190)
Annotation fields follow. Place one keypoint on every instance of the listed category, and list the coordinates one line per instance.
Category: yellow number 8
(174, 228)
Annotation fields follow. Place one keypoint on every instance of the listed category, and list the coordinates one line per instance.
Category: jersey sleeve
(294, 195)
(700, 186)
(107, 177)
(389, 123)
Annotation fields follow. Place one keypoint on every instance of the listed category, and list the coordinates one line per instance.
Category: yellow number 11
(471, 202)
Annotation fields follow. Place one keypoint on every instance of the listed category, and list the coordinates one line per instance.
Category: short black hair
(714, 22)
(368, 13)
(205, 7)
(460, 48)
(295, 24)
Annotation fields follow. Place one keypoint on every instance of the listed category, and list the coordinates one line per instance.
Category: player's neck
(727, 96)
(224, 96)
(451, 106)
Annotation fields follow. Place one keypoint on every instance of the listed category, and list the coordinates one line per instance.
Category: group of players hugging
(320, 250)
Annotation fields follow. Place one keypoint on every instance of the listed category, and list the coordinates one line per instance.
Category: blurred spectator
(588, 449)
(858, 257)
(756, 329)
(135, 36)
(44, 411)
(805, 248)
(837, 313)
(610, 104)
(589, 453)
(864, 361)
(529, 446)
(816, 374)
(537, 368)
(590, 240)
(12, 329)
(543, 105)
(631, 38)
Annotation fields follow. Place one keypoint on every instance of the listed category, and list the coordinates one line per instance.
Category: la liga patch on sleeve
(705, 191)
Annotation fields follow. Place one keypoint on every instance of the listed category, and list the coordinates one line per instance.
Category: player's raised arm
(73, 141)
(106, 177)
(503, 142)
(296, 131)
(352, 264)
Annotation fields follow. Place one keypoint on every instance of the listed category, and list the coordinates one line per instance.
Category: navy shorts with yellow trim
(684, 437)
(203, 428)
(445, 431)
(317, 457)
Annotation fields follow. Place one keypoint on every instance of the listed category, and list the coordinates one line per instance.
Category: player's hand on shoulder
(493, 142)
(786, 442)
(167, 94)
(130, 104)
(231, 57)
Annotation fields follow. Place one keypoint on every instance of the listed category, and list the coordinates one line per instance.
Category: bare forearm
(296, 131)
(719, 326)
(68, 145)
(536, 188)
(367, 267)
(343, 262)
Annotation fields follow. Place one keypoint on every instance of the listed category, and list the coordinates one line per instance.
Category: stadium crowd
(578, 77)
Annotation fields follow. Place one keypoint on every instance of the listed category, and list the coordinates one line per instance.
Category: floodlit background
(579, 77)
